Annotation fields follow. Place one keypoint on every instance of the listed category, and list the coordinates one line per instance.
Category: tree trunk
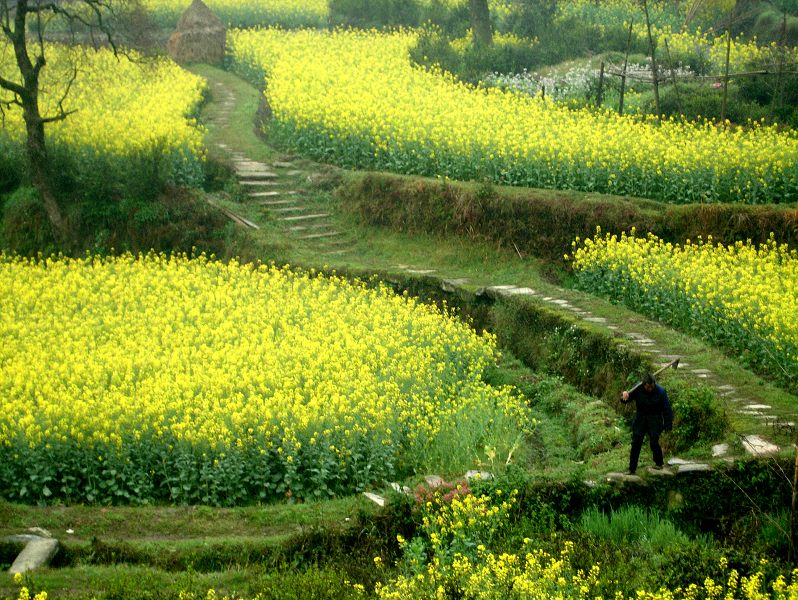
(480, 22)
(36, 147)
(40, 170)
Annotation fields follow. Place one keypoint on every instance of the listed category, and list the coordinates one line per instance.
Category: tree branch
(11, 86)
(62, 112)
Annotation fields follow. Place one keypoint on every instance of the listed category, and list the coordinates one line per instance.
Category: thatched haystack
(200, 36)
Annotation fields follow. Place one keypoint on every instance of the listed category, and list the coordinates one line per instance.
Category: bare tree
(23, 24)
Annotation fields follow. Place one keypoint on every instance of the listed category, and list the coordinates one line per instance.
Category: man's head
(649, 382)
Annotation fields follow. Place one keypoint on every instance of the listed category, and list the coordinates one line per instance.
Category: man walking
(654, 415)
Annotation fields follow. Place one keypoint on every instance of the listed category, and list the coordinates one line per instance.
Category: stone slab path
(753, 444)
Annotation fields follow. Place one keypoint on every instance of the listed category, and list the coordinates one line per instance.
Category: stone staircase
(277, 189)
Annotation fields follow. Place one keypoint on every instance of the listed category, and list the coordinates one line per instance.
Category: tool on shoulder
(674, 363)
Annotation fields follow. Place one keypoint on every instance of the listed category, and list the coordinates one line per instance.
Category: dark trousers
(637, 444)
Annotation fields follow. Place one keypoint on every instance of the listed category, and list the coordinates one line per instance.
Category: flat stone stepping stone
(450, 285)
(36, 553)
(249, 170)
(753, 413)
(664, 472)
(478, 475)
(305, 217)
(693, 468)
(596, 319)
(313, 236)
(272, 194)
(312, 226)
(420, 271)
(727, 388)
(295, 172)
(500, 288)
(758, 446)
(675, 461)
(522, 291)
(256, 182)
(701, 371)
(376, 499)
(720, 449)
(623, 478)
(282, 164)
(288, 209)
(757, 406)
(434, 481)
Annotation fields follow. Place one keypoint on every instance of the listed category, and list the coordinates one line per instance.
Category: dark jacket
(654, 414)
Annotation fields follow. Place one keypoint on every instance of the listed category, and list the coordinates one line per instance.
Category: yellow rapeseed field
(237, 382)
(124, 107)
(354, 97)
(743, 296)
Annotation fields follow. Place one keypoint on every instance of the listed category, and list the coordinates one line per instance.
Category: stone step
(310, 226)
(255, 178)
(758, 446)
(268, 203)
(305, 217)
(271, 194)
(313, 236)
(287, 209)
(257, 182)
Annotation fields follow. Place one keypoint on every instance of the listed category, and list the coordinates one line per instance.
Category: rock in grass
(36, 553)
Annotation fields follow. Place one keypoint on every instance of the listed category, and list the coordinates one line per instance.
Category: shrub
(25, 228)
(698, 100)
(698, 417)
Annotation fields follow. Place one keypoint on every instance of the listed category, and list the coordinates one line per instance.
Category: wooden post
(623, 74)
(600, 93)
(653, 61)
(779, 91)
(725, 80)
(791, 555)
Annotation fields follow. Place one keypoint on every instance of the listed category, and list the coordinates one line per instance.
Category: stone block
(36, 553)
